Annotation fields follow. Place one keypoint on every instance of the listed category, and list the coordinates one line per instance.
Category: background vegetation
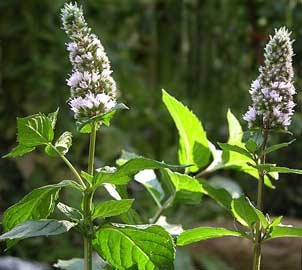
(204, 52)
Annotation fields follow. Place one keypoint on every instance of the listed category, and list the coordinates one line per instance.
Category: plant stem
(258, 237)
(67, 162)
(87, 203)
(161, 209)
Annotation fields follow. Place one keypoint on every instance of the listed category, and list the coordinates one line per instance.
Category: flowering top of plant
(93, 90)
(272, 92)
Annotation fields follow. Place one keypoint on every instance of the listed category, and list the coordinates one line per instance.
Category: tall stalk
(260, 195)
(87, 203)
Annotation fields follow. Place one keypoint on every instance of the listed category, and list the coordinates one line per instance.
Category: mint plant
(271, 112)
(93, 100)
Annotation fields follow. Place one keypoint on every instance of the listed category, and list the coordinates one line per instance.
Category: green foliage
(278, 146)
(70, 212)
(235, 148)
(34, 130)
(123, 174)
(85, 125)
(203, 233)
(19, 151)
(62, 144)
(285, 231)
(34, 228)
(38, 204)
(112, 208)
(244, 212)
(193, 143)
(220, 195)
(146, 248)
(186, 189)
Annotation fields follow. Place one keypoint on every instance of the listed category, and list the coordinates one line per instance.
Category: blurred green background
(203, 52)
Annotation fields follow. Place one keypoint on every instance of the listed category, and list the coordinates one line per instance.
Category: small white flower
(93, 88)
(74, 79)
(272, 92)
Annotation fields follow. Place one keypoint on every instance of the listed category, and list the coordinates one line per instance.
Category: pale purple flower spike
(272, 92)
(93, 90)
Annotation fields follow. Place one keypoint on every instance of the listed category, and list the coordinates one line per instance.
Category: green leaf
(235, 148)
(276, 221)
(203, 233)
(34, 130)
(235, 161)
(53, 117)
(244, 212)
(140, 247)
(70, 212)
(285, 231)
(84, 126)
(278, 146)
(149, 180)
(126, 156)
(283, 170)
(19, 151)
(62, 144)
(187, 189)
(112, 208)
(193, 144)
(76, 264)
(220, 195)
(33, 228)
(38, 204)
(123, 174)
(251, 146)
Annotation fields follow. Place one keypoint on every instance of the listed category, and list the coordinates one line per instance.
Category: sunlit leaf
(141, 247)
(193, 144)
(203, 233)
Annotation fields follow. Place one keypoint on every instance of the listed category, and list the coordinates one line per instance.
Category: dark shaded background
(205, 53)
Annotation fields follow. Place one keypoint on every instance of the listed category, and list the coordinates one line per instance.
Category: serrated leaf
(38, 204)
(123, 174)
(62, 144)
(84, 126)
(244, 212)
(112, 208)
(142, 247)
(285, 231)
(186, 188)
(203, 233)
(34, 228)
(149, 180)
(235, 161)
(76, 264)
(193, 144)
(19, 151)
(70, 212)
(34, 130)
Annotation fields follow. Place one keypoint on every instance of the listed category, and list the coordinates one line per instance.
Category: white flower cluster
(93, 90)
(272, 92)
